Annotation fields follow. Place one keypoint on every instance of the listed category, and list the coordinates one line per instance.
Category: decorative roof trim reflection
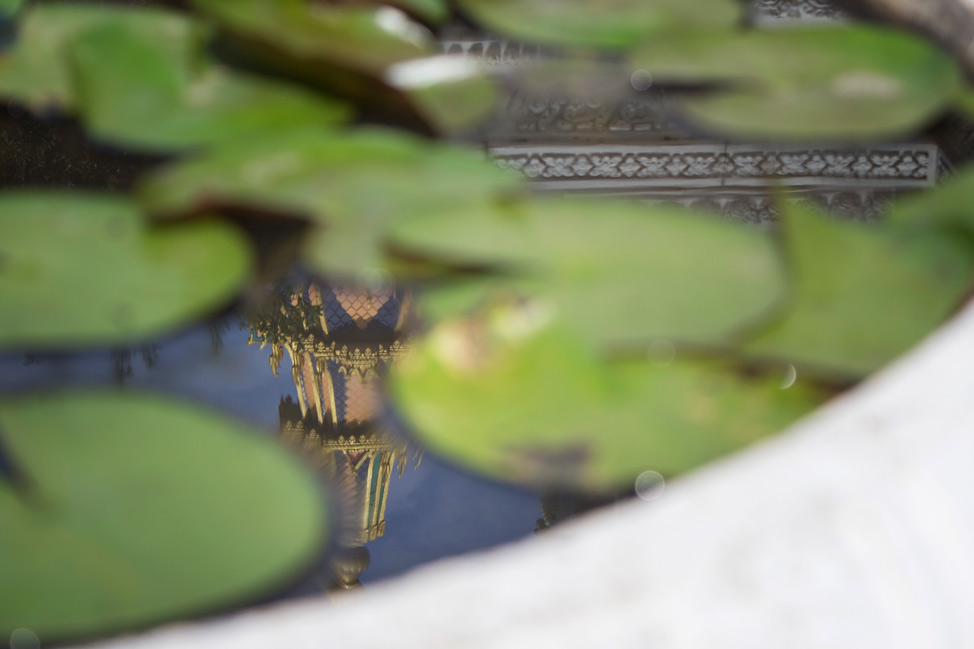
(708, 164)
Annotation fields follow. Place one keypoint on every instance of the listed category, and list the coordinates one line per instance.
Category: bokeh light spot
(641, 79)
(650, 485)
(791, 375)
(661, 352)
(24, 639)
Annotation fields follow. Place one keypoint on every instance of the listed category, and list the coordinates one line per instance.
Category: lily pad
(516, 398)
(617, 273)
(862, 294)
(8, 13)
(842, 82)
(36, 72)
(451, 94)
(949, 206)
(363, 38)
(360, 52)
(84, 269)
(125, 83)
(352, 185)
(617, 24)
(431, 11)
(137, 509)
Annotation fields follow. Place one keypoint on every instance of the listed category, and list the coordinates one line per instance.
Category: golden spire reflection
(339, 340)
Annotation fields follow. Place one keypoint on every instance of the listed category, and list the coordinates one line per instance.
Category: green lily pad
(451, 94)
(124, 83)
(8, 12)
(84, 269)
(618, 24)
(362, 38)
(848, 82)
(360, 52)
(617, 273)
(516, 398)
(431, 11)
(964, 102)
(36, 71)
(862, 294)
(949, 205)
(136, 509)
(352, 185)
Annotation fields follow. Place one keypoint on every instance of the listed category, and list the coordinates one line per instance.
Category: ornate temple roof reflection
(339, 340)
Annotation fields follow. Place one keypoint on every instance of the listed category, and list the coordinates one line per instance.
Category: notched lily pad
(516, 397)
(862, 294)
(361, 38)
(80, 269)
(617, 273)
(137, 92)
(352, 185)
(141, 77)
(843, 82)
(344, 49)
(142, 510)
(616, 24)
(35, 72)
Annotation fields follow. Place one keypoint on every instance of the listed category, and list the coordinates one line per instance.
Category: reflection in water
(122, 360)
(339, 340)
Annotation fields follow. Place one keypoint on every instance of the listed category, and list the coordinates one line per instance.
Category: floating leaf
(142, 510)
(355, 52)
(347, 49)
(83, 269)
(948, 206)
(36, 72)
(8, 12)
(354, 184)
(848, 82)
(617, 273)
(366, 39)
(429, 11)
(10, 7)
(125, 83)
(862, 294)
(451, 93)
(516, 398)
(126, 69)
(964, 102)
(617, 24)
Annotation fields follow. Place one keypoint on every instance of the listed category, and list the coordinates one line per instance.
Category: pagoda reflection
(339, 340)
